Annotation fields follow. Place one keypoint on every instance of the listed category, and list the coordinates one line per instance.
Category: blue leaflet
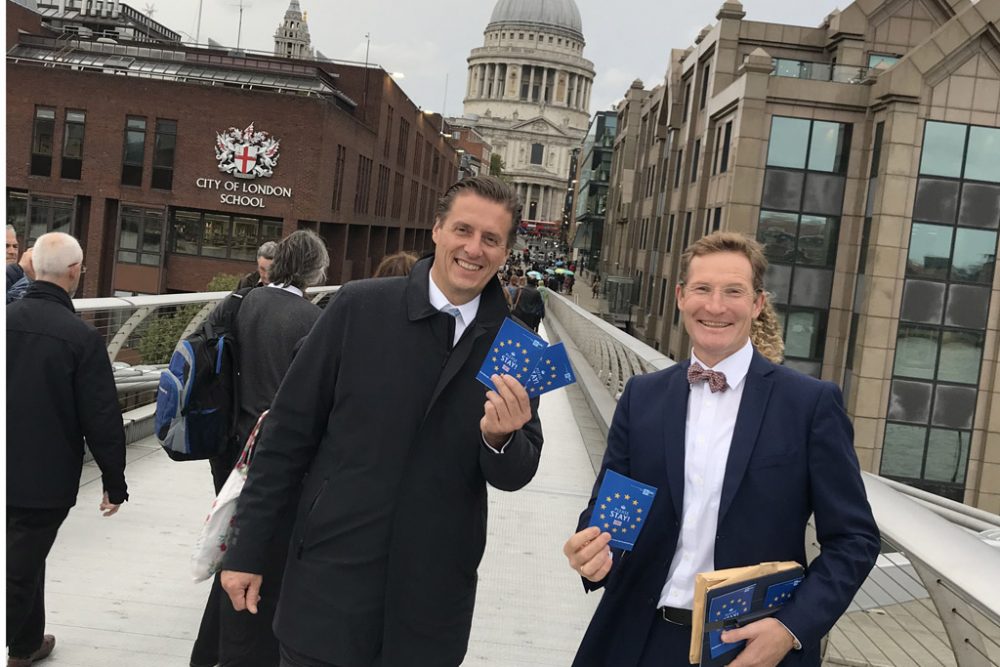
(621, 508)
(724, 607)
(514, 352)
(552, 371)
(778, 594)
(526, 357)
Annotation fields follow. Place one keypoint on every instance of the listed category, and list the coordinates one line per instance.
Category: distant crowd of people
(359, 531)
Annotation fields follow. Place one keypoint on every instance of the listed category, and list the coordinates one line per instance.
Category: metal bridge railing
(933, 597)
(142, 331)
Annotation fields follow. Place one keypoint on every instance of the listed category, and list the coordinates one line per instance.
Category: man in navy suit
(742, 452)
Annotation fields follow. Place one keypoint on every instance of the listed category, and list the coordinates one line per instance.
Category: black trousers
(292, 658)
(238, 638)
(30, 535)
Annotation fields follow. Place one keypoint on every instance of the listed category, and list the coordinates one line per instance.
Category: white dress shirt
(467, 311)
(288, 288)
(708, 433)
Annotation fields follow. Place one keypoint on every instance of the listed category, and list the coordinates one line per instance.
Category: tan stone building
(865, 154)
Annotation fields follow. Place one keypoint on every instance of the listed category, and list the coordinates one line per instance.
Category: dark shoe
(42, 652)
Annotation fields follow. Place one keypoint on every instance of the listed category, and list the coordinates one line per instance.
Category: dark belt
(675, 615)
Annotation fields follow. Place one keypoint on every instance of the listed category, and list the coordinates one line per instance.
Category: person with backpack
(528, 305)
(271, 322)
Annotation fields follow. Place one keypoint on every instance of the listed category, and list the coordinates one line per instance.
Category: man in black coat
(382, 409)
(64, 392)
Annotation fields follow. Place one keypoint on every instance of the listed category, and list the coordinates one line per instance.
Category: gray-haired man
(258, 278)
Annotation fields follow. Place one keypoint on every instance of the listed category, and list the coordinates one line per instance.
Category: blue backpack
(197, 399)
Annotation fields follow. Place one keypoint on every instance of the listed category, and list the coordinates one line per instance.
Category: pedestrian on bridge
(742, 451)
(382, 421)
(60, 392)
(271, 323)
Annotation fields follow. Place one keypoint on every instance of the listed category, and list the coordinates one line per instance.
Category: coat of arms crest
(246, 153)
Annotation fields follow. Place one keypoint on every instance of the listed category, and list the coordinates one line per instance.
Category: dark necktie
(716, 380)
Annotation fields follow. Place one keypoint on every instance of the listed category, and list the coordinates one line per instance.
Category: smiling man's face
(718, 304)
(471, 246)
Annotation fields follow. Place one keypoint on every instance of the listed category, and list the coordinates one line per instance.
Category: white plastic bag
(216, 533)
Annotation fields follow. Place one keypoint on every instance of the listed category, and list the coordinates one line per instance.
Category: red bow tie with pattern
(716, 380)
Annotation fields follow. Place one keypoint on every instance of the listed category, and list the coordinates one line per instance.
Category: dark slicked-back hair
(728, 242)
(487, 187)
(301, 259)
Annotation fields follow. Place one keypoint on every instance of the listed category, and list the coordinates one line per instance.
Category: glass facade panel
(826, 149)
(788, 143)
(961, 356)
(975, 255)
(187, 232)
(947, 456)
(216, 239)
(777, 231)
(903, 451)
(128, 239)
(244, 239)
(782, 189)
(967, 306)
(824, 194)
(980, 205)
(817, 241)
(937, 201)
(954, 406)
(916, 352)
(802, 333)
(922, 302)
(777, 281)
(930, 251)
(910, 401)
(942, 151)
(981, 161)
(811, 287)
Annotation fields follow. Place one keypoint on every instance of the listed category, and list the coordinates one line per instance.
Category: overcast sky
(426, 41)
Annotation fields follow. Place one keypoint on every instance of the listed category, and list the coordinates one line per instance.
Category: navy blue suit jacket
(792, 455)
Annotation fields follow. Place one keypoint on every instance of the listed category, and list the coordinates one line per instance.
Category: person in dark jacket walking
(382, 409)
(260, 277)
(528, 305)
(272, 321)
(65, 394)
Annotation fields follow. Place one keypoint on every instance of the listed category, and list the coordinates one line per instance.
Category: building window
(704, 85)
(49, 214)
(388, 132)
(411, 215)
(798, 143)
(727, 134)
(338, 177)
(134, 152)
(165, 143)
(397, 196)
(140, 239)
(687, 101)
(403, 142)
(72, 154)
(663, 295)
(41, 141)
(717, 220)
(876, 59)
(694, 160)
(670, 232)
(364, 182)
(536, 153)
(686, 239)
(418, 154)
(222, 235)
(680, 167)
(382, 191)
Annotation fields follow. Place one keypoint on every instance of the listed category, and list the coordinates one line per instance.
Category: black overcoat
(382, 416)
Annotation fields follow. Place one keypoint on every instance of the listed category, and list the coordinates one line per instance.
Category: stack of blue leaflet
(526, 357)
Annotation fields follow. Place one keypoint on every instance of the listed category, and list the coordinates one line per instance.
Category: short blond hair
(728, 242)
